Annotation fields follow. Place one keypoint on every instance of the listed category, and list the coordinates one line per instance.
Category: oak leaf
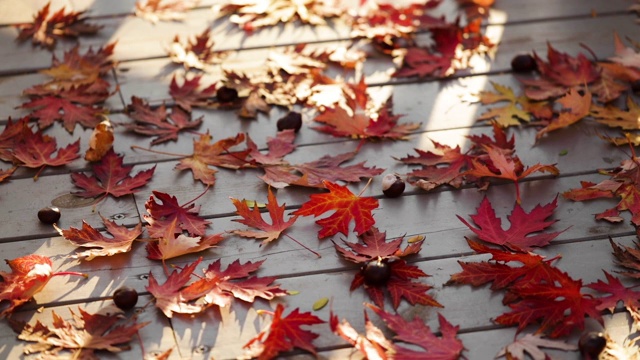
(82, 336)
(520, 235)
(100, 245)
(372, 345)
(29, 274)
(428, 345)
(283, 334)
(219, 154)
(531, 344)
(348, 207)
(36, 150)
(188, 95)
(111, 177)
(195, 52)
(253, 218)
(47, 27)
(156, 122)
(163, 10)
(168, 218)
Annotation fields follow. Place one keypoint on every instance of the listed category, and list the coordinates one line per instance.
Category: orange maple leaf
(347, 206)
(29, 274)
(578, 105)
(253, 218)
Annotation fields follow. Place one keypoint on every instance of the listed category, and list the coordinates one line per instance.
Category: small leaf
(415, 239)
(322, 302)
(293, 292)
(563, 152)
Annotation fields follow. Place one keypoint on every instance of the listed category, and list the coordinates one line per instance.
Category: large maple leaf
(100, 245)
(111, 177)
(188, 95)
(577, 107)
(519, 108)
(47, 27)
(347, 206)
(372, 345)
(532, 344)
(283, 334)
(447, 346)
(197, 52)
(156, 122)
(29, 274)
(503, 166)
(251, 15)
(169, 298)
(219, 287)
(168, 218)
(207, 153)
(617, 293)
(253, 218)
(623, 184)
(400, 284)
(52, 108)
(356, 121)
(35, 150)
(519, 237)
(83, 335)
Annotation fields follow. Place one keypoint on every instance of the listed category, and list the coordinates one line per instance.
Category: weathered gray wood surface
(145, 71)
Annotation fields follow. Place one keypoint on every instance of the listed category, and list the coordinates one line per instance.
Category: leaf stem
(301, 244)
(70, 273)
(134, 147)
(197, 197)
(365, 187)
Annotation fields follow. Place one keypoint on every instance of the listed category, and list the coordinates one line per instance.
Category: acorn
(523, 63)
(293, 120)
(125, 298)
(226, 94)
(392, 185)
(376, 272)
(591, 344)
(49, 215)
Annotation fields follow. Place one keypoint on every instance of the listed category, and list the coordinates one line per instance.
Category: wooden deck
(144, 70)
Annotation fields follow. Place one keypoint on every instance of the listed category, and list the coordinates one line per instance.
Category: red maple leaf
(283, 334)
(13, 133)
(83, 335)
(188, 95)
(111, 177)
(502, 166)
(447, 346)
(52, 108)
(206, 154)
(169, 297)
(156, 122)
(372, 345)
(624, 183)
(168, 218)
(421, 62)
(219, 287)
(557, 303)
(519, 236)
(36, 150)
(47, 28)
(101, 245)
(29, 274)
(400, 284)
(253, 218)
(356, 122)
(446, 165)
(618, 293)
(347, 206)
